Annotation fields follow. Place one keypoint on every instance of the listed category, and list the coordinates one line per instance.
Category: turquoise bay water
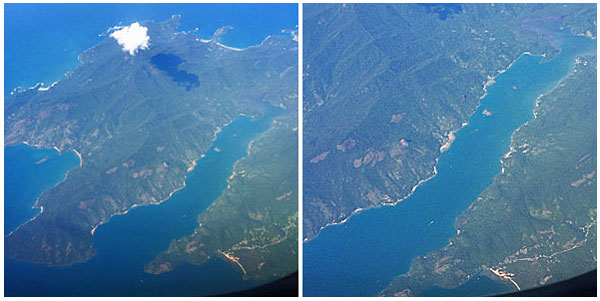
(42, 41)
(127, 242)
(361, 256)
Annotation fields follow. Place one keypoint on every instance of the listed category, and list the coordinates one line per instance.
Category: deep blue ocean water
(42, 41)
(361, 256)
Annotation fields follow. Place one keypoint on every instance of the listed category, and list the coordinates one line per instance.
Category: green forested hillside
(254, 223)
(537, 223)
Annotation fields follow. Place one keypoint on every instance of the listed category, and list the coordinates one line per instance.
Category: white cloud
(132, 37)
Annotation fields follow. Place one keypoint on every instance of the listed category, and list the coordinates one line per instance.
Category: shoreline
(232, 259)
(140, 205)
(492, 80)
(36, 204)
(443, 148)
(47, 88)
(60, 152)
(39, 86)
(211, 41)
(538, 100)
(394, 203)
(448, 143)
(30, 220)
(183, 185)
(504, 276)
(512, 149)
(228, 47)
(78, 155)
(189, 170)
(233, 174)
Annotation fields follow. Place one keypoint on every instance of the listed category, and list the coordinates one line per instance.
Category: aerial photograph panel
(449, 149)
(151, 149)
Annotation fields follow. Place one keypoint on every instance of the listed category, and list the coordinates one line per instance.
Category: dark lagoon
(169, 63)
(128, 242)
(361, 256)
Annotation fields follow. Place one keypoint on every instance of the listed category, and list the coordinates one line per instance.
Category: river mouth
(128, 242)
(361, 256)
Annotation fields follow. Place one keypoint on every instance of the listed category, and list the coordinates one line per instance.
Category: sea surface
(361, 256)
(42, 41)
(29, 171)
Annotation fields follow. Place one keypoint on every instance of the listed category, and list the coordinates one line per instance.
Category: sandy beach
(448, 143)
(233, 259)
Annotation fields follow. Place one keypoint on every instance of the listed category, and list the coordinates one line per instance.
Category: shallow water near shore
(128, 242)
(361, 257)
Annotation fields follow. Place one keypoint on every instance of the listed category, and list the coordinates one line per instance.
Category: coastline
(228, 47)
(211, 41)
(78, 155)
(183, 185)
(46, 88)
(139, 205)
(538, 100)
(506, 276)
(451, 138)
(30, 220)
(39, 86)
(443, 148)
(492, 80)
(36, 204)
(394, 203)
(229, 257)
